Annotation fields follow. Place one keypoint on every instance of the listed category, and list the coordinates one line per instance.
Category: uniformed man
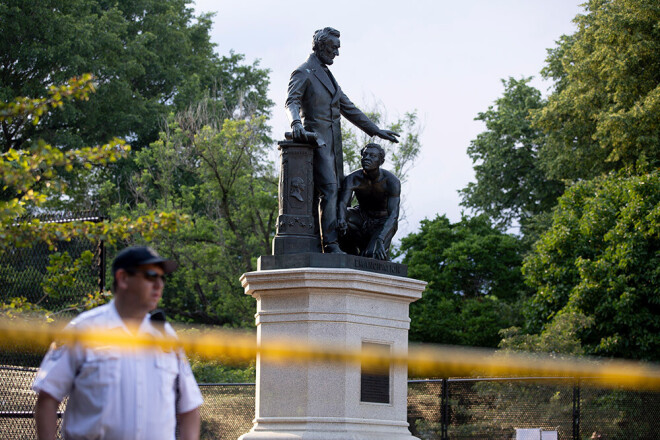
(129, 394)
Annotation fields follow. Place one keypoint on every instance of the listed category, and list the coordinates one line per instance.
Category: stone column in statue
(295, 223)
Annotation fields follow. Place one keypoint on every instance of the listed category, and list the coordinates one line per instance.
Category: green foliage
(33, 176)
(601, 258)
(613, 413)
(31, 109)
(399, 157)
(216, 372)
(510, 184)
(146, 55)
(63, 272)
(559, 337)
(602, 115)
(604, 112)
(210, 164)
(499, 407)
(460, 321)
(216, 171)
(20, 307)
(149, 58)
(470, 258)
(594, 266)
(473, 271)
(478, 320)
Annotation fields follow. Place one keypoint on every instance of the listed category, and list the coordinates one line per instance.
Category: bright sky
(443, 58)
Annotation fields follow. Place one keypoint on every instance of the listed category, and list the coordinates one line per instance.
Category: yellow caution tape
(422, 360)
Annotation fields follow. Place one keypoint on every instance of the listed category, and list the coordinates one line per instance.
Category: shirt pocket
(101, 366)
(97, 381)
(167, 367)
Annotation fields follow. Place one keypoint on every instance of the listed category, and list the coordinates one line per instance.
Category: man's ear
(121, 278)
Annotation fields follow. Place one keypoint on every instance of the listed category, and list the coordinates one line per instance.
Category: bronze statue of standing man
(315, 103)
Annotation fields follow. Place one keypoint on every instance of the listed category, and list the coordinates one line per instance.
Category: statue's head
(373, 156)
(325, 44)
(297, 184)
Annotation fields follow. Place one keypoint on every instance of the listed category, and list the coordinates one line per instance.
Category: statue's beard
(328, 60)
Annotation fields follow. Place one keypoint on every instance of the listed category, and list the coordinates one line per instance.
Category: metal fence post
(101, 266)
(576, 410)
(444, 410)
(101, 260)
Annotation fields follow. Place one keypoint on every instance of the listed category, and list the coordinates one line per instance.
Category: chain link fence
(25, 278)
(228, 410)
(27, 284)
(487, 408)
(17, 402)
(24, 270)
(493, 408)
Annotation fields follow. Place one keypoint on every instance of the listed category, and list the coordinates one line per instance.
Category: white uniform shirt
(118, 395)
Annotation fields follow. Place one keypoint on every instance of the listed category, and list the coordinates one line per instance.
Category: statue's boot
(332, 248)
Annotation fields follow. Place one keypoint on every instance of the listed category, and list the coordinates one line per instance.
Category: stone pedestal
(296, 231)
(346, 308)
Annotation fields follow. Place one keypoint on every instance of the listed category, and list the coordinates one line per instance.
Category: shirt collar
(115, 321)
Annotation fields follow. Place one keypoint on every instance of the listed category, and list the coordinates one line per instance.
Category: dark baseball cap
(135, 256)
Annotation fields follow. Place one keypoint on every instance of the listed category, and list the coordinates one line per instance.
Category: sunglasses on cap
(149, 274)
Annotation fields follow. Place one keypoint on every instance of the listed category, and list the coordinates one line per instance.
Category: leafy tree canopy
(597, 137)
(147, 56)
(511, 187)
(473, 271)
(31, 176)
(604, 112)
(216, 171)
(470, 258)
(560, 337)
(601, 258)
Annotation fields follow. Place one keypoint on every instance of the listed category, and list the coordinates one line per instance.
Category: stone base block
(330, 261)
(348, 309)
(285, 245)
(327, 428)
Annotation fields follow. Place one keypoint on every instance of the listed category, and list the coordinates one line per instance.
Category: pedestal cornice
(272, 281)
